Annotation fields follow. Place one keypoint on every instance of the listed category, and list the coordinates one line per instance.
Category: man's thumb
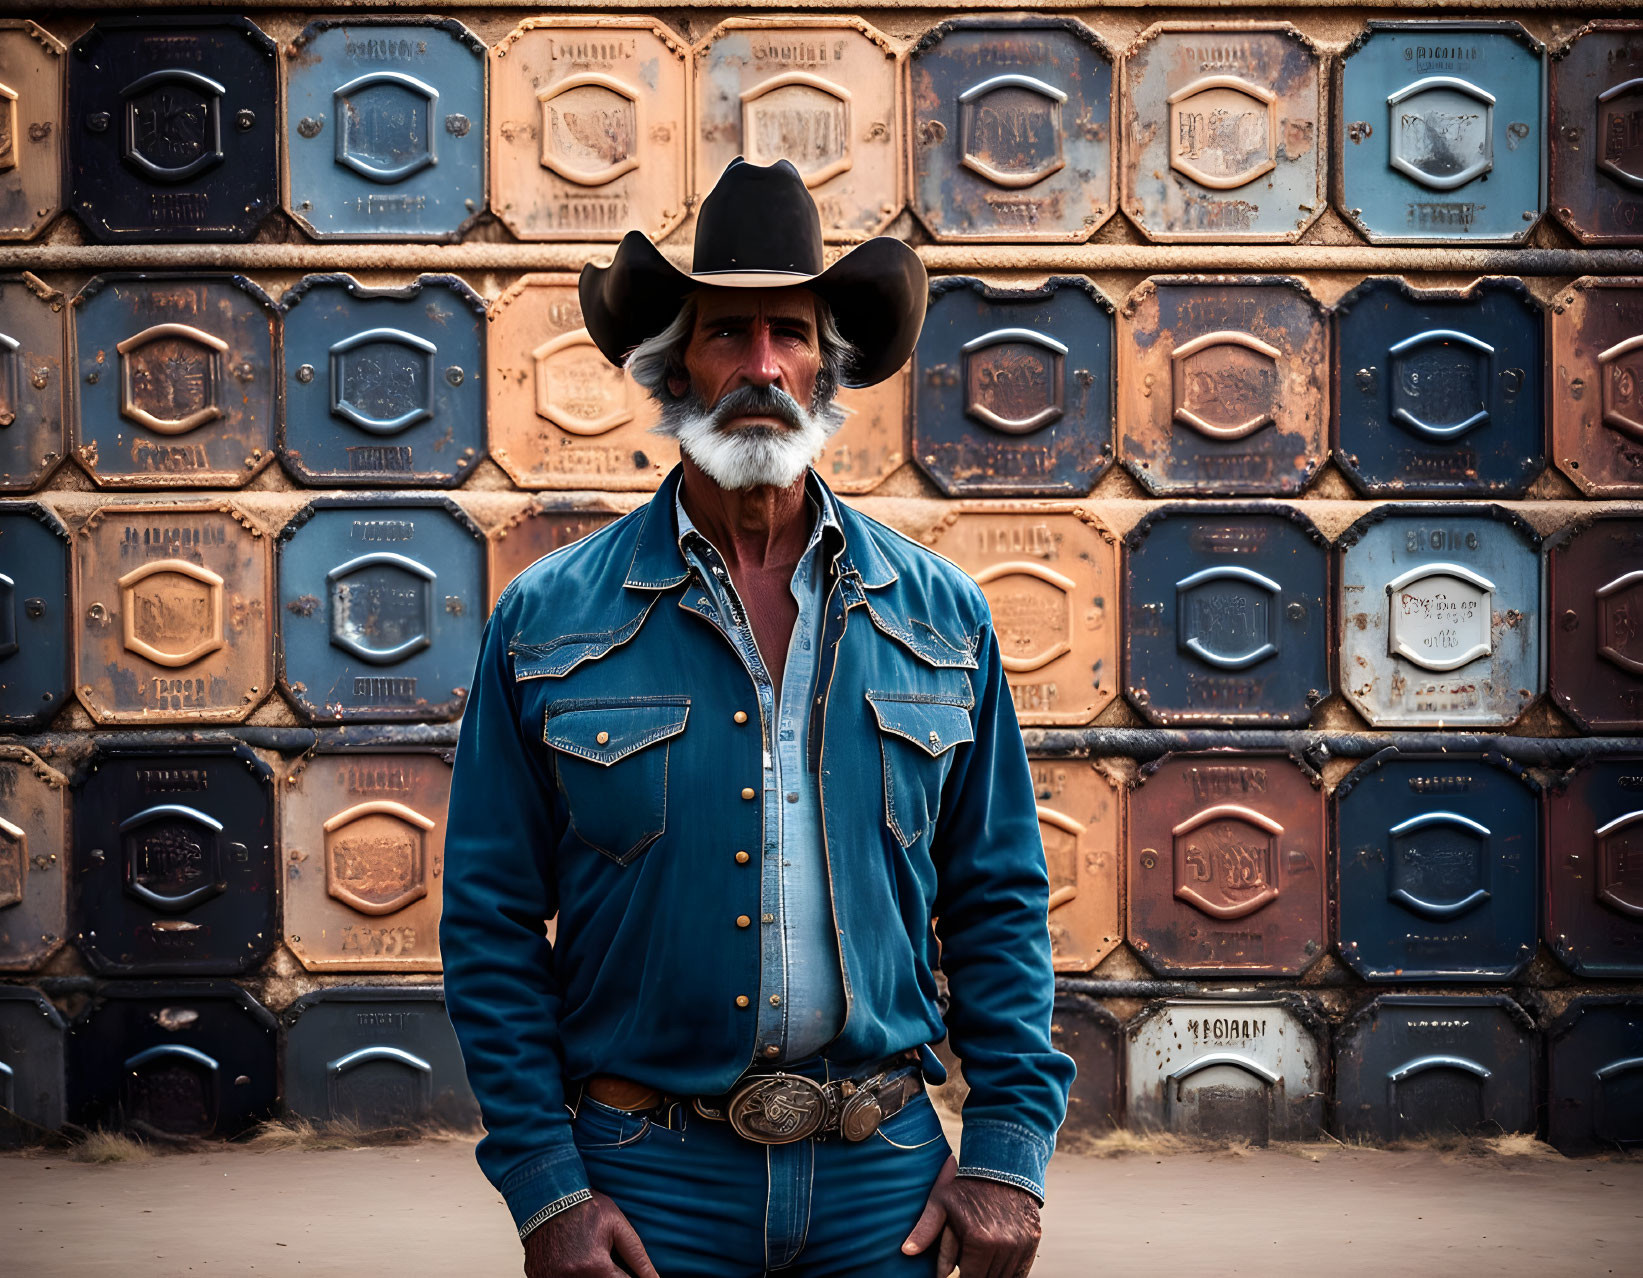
(929, 1225)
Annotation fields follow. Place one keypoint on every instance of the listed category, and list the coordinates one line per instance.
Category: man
(746, 744)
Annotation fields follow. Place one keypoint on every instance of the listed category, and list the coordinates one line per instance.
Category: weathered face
(752, 337)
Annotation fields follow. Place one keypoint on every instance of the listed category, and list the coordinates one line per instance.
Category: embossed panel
(34, 615)
(1439, 391)
(1594, 1082)
(1226, 866)
(1090, 1034)
(1595, 635)
(1437, 867)
(173, 618)
(1223, 131)
(175, 380)
(1597, 385)
(538, 529)
(1078, 822)
(384, 128)
(381, 607)
(819, 91)
(33, 860)
(1246, 1070)
(171, 128)
(1439, 132)
(1594, 869)
(1012, 388)
(32, 339)
(589, 128)
(174, 862)
(1597, 122)
(383, 386)
(33, 1084)
(31, 137)
(561, 415)
(872, 442)
(1050, 575)
(1440, 616)
(1012, 123)
(1225, 616)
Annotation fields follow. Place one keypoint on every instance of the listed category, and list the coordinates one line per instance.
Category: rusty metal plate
(1597, 386)
(172, 128)
(362, 835)
(1226, 615)
(1078, 822)
(383, 386)
(33, 860)
(1597, 133)
(34, 615)
(1438, 392)
(1228, 385)
(384, 128)
(174, 867)
(1245, 1070)
(1013, 388)
(176, 383)
(872, 443)
(173, 622)
(32, 381)
(173, 1059)
(1409, 1066)
(31, 135)
(1594, 1078)
(561, 414)
(1012, 124)
(1050, 574)
(33, 1074)
(1437, 864)
(1594, 869)
(819, 91)
(589, 128)
(1090, 1034)
(1440, 616)
(376, 1056)
(1595, 635)
(1223, 132)
(1439, 132)
(1225, 866)
(539, 529)
(381, 608)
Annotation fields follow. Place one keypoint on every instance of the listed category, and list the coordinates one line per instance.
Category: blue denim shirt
(602, 775)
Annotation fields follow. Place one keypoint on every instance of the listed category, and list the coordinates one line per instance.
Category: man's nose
(759, 367)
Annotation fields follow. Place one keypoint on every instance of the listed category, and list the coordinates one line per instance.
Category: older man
(747, 744)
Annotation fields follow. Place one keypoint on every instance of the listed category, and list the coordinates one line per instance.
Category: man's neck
(753, 528)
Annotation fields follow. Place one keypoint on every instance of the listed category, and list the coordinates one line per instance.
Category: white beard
(752, 456)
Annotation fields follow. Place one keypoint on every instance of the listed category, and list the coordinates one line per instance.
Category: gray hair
(657, 358)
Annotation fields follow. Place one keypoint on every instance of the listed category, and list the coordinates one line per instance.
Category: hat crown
(758, 218)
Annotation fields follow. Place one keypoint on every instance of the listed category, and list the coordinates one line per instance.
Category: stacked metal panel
(1282, 387)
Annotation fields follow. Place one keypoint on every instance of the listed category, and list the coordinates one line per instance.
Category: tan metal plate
(1050, 574)
(1078, 820)
(31, 135)
(1597, 386)
(589, 128)
(540, 529)
(33, 860)
(172, 614)
(363, 834)
(818, 91)
(561, 415)
(872, 443)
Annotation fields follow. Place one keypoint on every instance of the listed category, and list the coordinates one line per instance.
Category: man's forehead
(777, 303)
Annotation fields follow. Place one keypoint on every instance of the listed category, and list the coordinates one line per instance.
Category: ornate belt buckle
(778, 1109)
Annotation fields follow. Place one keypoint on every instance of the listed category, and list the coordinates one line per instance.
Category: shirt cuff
(1005, 1152)
(542, 1189)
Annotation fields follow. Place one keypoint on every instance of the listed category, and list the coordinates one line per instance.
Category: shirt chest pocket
(611, 758)
(916, 738)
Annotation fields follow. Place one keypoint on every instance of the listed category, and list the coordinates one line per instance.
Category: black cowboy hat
(758, 228)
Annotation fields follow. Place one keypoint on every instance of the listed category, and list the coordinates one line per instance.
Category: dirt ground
(423, 1209)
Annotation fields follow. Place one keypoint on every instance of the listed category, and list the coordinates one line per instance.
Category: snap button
(775, 1000)
(742, 920)
(741, 858)
(772, 1050)
(792, 797)
(935, 738)
(747, 792)
(740, 716)
(741, 1000)
(603, 738)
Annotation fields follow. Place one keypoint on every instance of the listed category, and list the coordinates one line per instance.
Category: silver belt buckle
(778, 1109)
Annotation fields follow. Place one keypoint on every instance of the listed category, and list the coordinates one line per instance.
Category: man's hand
(577, 1243)
(991, 1229)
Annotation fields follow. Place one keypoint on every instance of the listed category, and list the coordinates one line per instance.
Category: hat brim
(877, 292)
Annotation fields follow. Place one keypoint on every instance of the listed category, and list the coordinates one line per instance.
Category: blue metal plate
(32, 344)
(33, 615)
(1440, 133)
(1440, 616)
(383, 386)
(385, 128)
(1013, 388)
(1437, 867)
(1225, 615)
(1594, 1083)
(1439, 392)
(377, 1056)
(1594, 869)
(171, 129)
(1410, 1066)
(381, 605)
(33, 1090)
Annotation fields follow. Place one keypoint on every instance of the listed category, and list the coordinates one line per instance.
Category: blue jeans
(708, 1204)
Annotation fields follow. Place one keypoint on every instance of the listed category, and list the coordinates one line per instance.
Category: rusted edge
(192, 990)
(397, 292)
(1563, 1024)
(50, 43)
(553, 504)
(197, 506)
(1153, 283)
(942, 284)
(1151, 766)
(1366, 1013)
(797, 22)
(450, 25)
(535, 279)
(1304, 1007)
(1494, 758)
(1074, 1000)
(104, 753)
(1598, 24)
(29, 280)
(1479, 286)
(1230, 24)
(1584, 522)
(380, 500)
(1137, 534)
(1502, 25)
(1011, 22)
(41, 514)
(359, 992)
(338, 748)
(1352, 535)
(54, 779)
(244, 283)
(677, 45)
(1596, 282)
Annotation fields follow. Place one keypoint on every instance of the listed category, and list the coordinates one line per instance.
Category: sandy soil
(423, 1209)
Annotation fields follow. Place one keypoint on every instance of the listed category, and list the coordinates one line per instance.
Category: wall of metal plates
(1282, 387)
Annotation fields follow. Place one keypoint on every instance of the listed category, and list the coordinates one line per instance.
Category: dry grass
(1122, 1141)
(303, 1133)
(110, 1147)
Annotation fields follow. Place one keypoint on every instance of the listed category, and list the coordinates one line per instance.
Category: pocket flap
(933, 726)
(606, 734)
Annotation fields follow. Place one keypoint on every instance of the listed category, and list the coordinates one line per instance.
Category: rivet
(305, 374)
(741, 1000)
(740, 716)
